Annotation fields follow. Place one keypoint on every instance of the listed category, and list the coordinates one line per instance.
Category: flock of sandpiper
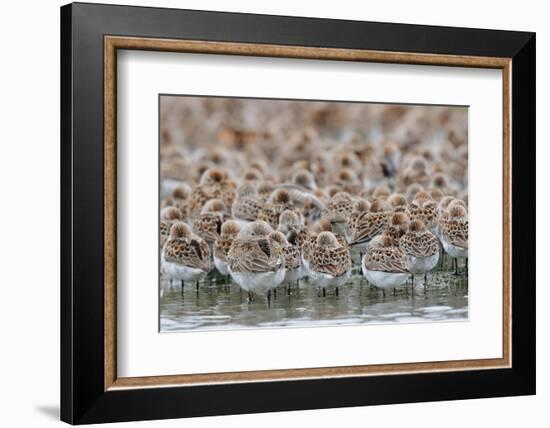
(268, 210)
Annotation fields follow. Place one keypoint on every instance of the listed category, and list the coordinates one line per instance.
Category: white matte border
(143, 351)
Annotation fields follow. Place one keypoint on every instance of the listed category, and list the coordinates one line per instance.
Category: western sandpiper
(271, 210)
(208, 224)
(338, 210)
(398, 202)
(360, 206)
(292, 258)
(214, 184)
(385, 265)
(256, 261)
(330, 262)
(247, 205)
(453, 229)
(424, 208)
(397, 226)
(185, 256)
(289, 225)
(392, 157)
(369, 224)
(421, 248)
(381, 192)
(229, 232)
(412, 190)
(168, 216)
(304, 179)
(178, 198)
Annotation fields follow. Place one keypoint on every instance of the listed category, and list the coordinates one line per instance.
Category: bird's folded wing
(367, 227)
(423, 246)
(387, 260)
(191, 253)
(336, 262)
(252, 256)
(246, 208)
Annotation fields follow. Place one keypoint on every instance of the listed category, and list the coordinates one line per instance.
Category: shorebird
(440, 182)
(168, 216)
(368, 225)
(304, 179)
(360, 206)
(424, 208)
(385, 265)
(398, 202)
(290, 226)
(214, 184)
(416, 171)
(271, 210)
(247, 204)
(208, 224)
(391, 157)
(178, 199)
(255, 261)
(323, 225)
(412, 190)
(330, 262)
(338, 210)
(397, 226)
(185, 256)
(454, 233)
(382, 192)
(292, 256)
(421, 248)
(229, 232)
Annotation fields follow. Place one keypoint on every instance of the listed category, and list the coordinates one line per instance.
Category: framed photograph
(268, 213)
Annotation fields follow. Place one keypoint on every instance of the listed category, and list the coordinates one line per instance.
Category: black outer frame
(83, 399)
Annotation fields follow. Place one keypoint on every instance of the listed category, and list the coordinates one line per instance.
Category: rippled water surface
(220, 304)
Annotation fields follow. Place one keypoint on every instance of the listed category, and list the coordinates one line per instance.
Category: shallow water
(220, 304)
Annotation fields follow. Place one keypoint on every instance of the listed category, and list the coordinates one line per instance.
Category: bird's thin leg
(197, 285)
(275, 293)
(425, 279)
(337, 291)
(182, 284)
(324, 292)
